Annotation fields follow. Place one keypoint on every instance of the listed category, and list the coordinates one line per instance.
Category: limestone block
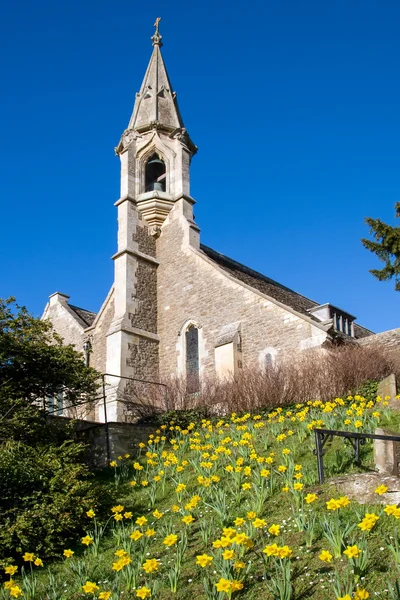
(387, 387)
(386, 454)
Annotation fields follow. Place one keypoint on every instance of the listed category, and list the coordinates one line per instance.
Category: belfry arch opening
(155, 174)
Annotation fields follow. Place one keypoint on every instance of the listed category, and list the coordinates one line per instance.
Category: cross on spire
(156, 38)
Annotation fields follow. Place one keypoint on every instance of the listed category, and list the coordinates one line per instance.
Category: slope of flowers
(227, 510)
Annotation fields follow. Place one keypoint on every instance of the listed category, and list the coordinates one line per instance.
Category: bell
(155, 186)
(156, 162)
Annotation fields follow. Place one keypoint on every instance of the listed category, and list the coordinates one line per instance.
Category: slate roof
(86, 315)
(271, 288)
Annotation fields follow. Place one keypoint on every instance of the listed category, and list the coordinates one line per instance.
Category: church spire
(156, 103)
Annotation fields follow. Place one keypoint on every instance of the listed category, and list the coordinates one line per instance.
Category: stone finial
(157, 37)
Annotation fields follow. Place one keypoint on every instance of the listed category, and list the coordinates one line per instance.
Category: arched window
(192, 359)
(155, 174)
(268, 360)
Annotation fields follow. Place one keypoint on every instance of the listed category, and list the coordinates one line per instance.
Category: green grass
(311, 578)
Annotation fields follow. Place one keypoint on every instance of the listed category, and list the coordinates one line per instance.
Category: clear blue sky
(294, 106)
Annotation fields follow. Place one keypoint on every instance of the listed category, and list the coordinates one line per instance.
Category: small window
(155, 174)
(268, 360)
(192, 359)
(55, 404)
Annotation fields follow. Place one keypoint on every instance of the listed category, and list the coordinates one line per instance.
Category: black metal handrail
(322, 436)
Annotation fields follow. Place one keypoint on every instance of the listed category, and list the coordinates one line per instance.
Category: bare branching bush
(315, 374)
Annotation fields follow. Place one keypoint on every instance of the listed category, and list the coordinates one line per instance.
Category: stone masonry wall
(144, 358)
(65, 324)
(146, 242)
(145, 316)
(98, 335)
(190, 288)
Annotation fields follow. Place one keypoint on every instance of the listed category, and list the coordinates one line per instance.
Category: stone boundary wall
(123, 438)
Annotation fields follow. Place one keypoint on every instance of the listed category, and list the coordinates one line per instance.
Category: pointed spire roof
(156, 102)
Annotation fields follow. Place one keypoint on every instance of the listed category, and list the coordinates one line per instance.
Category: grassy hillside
(232, 509)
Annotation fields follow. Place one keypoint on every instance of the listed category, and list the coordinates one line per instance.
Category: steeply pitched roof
(86, 315)
(156, 102)
(270, 287)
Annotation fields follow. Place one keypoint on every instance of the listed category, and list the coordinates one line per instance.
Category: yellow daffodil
(203, 560)
(223, 585)
(143, 592)
(352, 551)
(150, 565)
(15, 591)
(361, 594)
(258, 523)
(90, 587)
(29, 557)
(311, 498)
(326, 556)
(188, 519)
(170, 540)
(274, 529)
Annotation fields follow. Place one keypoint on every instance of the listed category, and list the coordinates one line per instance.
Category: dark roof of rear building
(87, 316)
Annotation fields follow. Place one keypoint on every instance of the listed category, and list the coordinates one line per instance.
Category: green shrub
(369, 390)
(44, 495)
(182, 418)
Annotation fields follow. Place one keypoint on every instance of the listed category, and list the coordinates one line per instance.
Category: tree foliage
(34, 365)
(386, 247)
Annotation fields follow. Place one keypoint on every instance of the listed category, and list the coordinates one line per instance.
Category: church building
(177, 307)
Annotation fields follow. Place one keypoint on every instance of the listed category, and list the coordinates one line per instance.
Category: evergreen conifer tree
(386, 247)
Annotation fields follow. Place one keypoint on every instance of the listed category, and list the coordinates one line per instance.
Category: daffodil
(203, 560)
(29, 557)
(143, 592)
(274, 529)
(150, 565)
(15, 591)
(170, 540)
(352, 551)
(11, 570)
(325, 556)
(90, 587)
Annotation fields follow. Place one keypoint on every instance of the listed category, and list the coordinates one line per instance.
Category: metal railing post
(320, 456)
(107, 431)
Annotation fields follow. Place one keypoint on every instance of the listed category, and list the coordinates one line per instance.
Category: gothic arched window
(268, 360)
(192, 359)
(155, 174)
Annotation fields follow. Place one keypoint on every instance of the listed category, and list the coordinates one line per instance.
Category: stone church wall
(98, 356)
(192, 289)
(145, 315)
(146, 242)
(64, 322)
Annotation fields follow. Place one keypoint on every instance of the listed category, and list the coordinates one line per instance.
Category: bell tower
(155, 150)
(155, 153)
